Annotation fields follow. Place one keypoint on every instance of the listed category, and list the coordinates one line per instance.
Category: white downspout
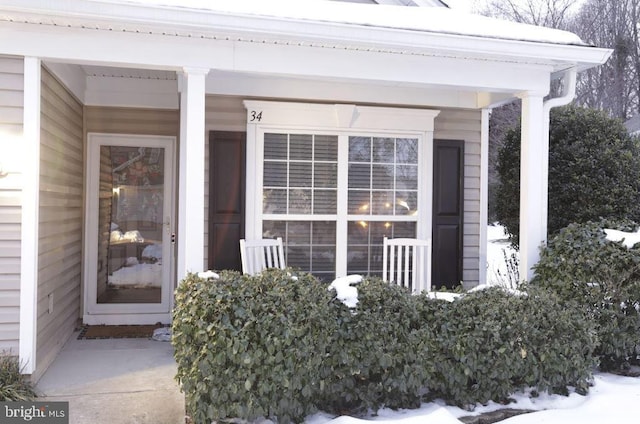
(568, 94)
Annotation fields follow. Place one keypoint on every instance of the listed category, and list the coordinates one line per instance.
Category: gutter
(567, 96)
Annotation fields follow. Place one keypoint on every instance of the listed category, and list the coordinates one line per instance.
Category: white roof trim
(205, 13)
(439, 20)
(251, 21)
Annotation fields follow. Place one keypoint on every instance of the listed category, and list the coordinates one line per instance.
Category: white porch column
(190, 236)
(484, 192)
(30, 216)
(533, 175)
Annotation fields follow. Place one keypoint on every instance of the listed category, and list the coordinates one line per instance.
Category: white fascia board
(170, 52)
(361, 65)
(78, 45)
(267, 86)
(200, 23)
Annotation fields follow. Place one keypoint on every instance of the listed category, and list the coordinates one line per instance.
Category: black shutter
(448, 201)
(226, 198)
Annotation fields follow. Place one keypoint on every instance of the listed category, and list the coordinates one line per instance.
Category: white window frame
(343, 121)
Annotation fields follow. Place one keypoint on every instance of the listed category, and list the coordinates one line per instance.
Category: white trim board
(30, 215)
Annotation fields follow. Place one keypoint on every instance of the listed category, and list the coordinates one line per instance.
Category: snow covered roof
(423, 19)
(364, 29)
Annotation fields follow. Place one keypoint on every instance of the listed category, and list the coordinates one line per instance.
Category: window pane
(299, 201)
(325, 201)
(309, 245)
(298, 257)
(300, 174)
(359, 176)
(358, 260)
(382, 203)
(300, 146)
(324, 232)
(406, 203)
(274, 201)
(325, 175)
(407, 150)
(273, 229)
(324, 259)
(359, 149)
(358, 232)
(299, 232)
(275, 146)
(365, 240)
(404, 229)
(359, 202)
(382, 176)
(406, 177)
(379, 230)
(383, 150)
(275, 174)
(326, 148)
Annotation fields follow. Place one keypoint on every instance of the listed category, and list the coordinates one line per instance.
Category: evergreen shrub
(282, 348)
(373, 358)
(493, 342)
(580, 265)
(251, 346)
(594, 171)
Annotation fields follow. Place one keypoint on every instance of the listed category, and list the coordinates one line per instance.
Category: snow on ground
(612, 399)
(137, 275)
(498, 246)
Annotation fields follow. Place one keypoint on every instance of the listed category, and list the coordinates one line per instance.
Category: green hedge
(372, 360)
(492, 343)
(580, 265)
(251, 347)
(281, 347)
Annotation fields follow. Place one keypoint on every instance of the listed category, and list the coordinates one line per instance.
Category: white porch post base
(190, 235)
(533, 175)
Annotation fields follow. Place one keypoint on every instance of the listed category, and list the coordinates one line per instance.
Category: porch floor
(115, 381)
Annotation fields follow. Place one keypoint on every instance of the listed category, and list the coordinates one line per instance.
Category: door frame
(127, 313)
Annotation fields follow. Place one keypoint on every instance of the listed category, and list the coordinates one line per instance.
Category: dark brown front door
(226, 198)
(448, 180)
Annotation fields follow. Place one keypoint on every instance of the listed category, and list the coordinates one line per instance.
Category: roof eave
(275, 29)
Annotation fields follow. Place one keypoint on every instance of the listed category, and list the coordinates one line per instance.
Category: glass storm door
(129, 229)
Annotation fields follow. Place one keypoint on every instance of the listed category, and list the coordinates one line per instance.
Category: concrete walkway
(115, 381)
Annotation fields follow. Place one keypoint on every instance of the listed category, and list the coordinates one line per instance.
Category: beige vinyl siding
(229, 114)
(121, 120)
(60, 218)
(11, 110)
(462, 124)
(222, 113)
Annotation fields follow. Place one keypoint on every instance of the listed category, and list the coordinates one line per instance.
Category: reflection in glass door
(130, 218)
(130, 224)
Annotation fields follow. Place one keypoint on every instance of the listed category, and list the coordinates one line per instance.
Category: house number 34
(254, 116)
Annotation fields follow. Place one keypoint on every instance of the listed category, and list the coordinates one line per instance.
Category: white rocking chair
(407, 263)
(258, 255)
